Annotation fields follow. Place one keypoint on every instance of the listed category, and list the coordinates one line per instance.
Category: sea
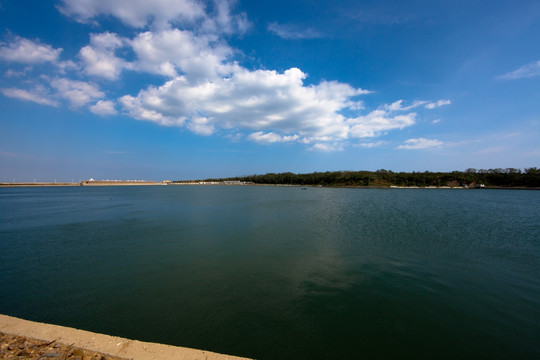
(272, 272)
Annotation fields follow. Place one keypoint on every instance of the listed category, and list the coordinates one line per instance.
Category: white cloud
(397, 105)
(326, 147)
(201, 125)
(161, 14)
(370, 145)
(205, 89)
(223, 21)
(436, 121)
(135, 13)
(293, 32)
(13, 73)
(260, 100)
(270, 137)
(171, 52)
(99, 58)
(29, 52)
(420, 143)
(37, 95)
(103, 108)
(78, 93)
(526, 71)
(26, 51)
(437, 104)
(140, 108)
(377, 122)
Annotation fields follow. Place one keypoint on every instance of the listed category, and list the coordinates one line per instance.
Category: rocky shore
(21, 347)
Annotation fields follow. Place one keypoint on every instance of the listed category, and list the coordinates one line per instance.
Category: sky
(194, 89)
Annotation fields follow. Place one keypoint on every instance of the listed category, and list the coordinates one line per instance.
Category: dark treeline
(471, 177)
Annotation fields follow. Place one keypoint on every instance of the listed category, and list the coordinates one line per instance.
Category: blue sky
(187, 89)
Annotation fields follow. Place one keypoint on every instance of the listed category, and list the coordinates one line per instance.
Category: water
(280, 272)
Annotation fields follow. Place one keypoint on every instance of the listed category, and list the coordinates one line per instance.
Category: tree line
(509, 177)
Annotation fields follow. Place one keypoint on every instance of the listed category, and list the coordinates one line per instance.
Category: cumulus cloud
(103, 108)
(78, 93)
(526, 71)
(293, 32)
(436, 104)
(99, 57)
(28, 52)
(135, 13)
(174, 51)
(204, 89)
(420, 143)
(201, 125)
(161, 14)
(260, 100)
(139, 108)
(37, 95)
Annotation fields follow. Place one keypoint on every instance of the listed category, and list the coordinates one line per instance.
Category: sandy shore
(32, 340)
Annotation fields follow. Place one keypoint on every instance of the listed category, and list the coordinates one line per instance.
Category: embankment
(99, 343)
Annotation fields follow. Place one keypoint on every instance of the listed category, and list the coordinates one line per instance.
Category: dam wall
(118, 182)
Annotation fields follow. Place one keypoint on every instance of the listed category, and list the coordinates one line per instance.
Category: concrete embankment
(118, 183)
(15, 184)
(82, 183)
(104, 344)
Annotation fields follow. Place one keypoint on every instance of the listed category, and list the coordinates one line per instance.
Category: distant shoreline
(82, 183)
(470, 178)
(216, 183)
(29, 184)
(152, 183)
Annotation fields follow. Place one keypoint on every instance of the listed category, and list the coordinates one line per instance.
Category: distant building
(93, 182)
(233, 182)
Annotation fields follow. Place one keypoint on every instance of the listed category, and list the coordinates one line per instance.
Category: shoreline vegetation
(509, 178)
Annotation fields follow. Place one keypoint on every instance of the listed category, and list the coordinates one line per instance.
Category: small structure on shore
(92, 182)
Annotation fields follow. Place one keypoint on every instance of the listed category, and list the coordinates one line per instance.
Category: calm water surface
(280, 272)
